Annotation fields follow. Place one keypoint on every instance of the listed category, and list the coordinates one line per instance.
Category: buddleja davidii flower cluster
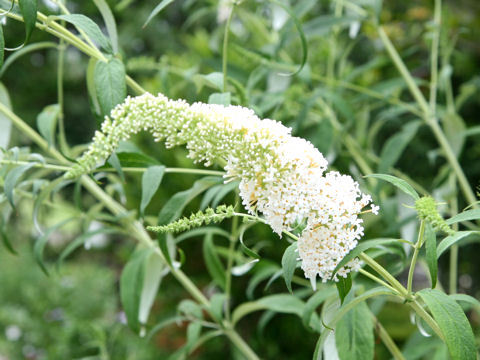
(281, 176)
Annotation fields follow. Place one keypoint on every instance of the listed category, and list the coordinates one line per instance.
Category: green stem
(60, 97)
(453, 270)
(376, 279)
(241, 344)
(429, 118)
(230, 256)
(385, 274)
(416, 250)
(225, 47)
(437, 18)
(387, 340)
(426, 316)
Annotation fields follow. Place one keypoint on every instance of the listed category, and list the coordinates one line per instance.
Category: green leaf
(217, 302)
(394, 147)
(131, 286)
(47, 122)
(470, 300)
(6, 239)
(41, 242)
(2, 46)
(452, 322)
(151, 180)
(157, 9)
(453, 239)
(109, 22)
(220, 98)
(153, 274)
(88, 26)
(12, 179)
(23, 51)
(322, 25)
(313, 302)
(354, 334)
(214, 265)
(344, 285)
(28, 9)
(473, 214)
(301, 33)
(431, 253)
(289, 264)
(399, 183)
(249, 252)
(163, 324)
(363, 246)
(281, 303)
(115, 163)
(92, 92)
(5, 122)
(110, 84)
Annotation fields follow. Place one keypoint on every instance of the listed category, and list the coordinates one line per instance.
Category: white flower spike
(281, 176)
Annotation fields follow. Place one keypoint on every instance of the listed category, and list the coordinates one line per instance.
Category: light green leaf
(217, 302)
(354, 334)
(163, 324)
(431, 253)
(470, 300)
(322, 25)
(399, 183)
(454, 128)
(110, 84)
(47, 123)
(114, 162)
(154, 272)
(157, 9)
(12, 179)
(315, 300)
(220, 99)
(453, 239)
(214, 265)
(289, 264)
(452, 322)
(6, 238)
(5, 123)
(28, 9)
(109, 22)
(281, 303)
(151, 180)
(92, 92)
(473, 214)
(131, 286)
(88, 26)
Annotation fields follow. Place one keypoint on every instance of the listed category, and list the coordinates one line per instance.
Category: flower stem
(376, 279)
(416, 250)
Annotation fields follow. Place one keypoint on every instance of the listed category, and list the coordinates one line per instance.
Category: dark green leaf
(354, 334)
(157, 9)
(5, 122)
(431, 252)
(473, 214)
(394, 147)
(289, 264)
(28, 9)
(220, 98)
(151, 180)
(12, 179)
(87, 25)
(110, 84)
(452, 322)
(363, 246)
(399, 183)
(453, 239)
(344, 285)
(131, 285)
(47, 122)
(214, 265)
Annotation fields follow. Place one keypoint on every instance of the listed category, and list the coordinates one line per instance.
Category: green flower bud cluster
(427, 211)
(198, 219)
